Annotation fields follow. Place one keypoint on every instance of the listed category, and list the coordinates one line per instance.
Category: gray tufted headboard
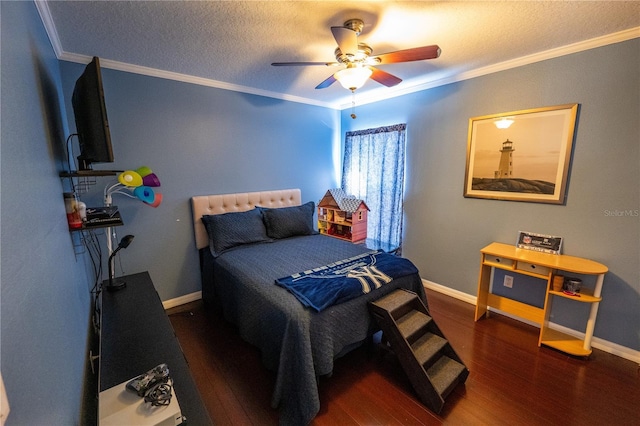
(225, 203)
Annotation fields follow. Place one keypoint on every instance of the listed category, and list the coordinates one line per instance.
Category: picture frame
(521, 155)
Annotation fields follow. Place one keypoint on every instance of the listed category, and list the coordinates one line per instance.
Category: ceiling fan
(359, 62)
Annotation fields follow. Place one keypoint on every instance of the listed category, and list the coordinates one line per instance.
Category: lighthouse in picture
(505, 169)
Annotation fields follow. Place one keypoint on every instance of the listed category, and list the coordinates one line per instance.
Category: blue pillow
(289, 221)
(229, 230)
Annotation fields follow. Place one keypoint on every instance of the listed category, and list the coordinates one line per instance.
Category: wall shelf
(89, 173)
(86, 179)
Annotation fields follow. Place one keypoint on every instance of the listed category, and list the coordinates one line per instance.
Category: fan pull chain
(353, 104)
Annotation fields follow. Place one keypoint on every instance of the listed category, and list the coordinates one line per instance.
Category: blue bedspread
(297, 342)
(345, 279)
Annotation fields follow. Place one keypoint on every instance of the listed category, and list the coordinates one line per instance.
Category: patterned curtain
(373, 170)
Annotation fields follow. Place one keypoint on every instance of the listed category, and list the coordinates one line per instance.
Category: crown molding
(186, 78)
(49, 26)
(569, 49)
(366, 98)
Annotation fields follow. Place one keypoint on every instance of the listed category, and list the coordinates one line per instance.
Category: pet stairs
(427, 358)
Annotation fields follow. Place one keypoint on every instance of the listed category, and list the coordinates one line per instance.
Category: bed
(298, 342)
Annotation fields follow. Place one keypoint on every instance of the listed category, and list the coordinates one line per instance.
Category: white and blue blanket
(346, 279)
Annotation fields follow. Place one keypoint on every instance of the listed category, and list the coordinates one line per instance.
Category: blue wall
(198, 140)
(202, 140)
(44, 289)
(445, 231)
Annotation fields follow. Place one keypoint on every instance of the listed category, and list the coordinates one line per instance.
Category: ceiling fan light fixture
(353, 78)
(360, 65)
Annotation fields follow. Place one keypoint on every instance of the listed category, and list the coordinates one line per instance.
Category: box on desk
(102, 216)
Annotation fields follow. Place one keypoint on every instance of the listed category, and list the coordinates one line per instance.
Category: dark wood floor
(511, 380)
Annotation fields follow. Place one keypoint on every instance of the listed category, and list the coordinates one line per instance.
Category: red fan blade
(409, 55)
(384, 77)
(328, 82)
(286, 64)
(347, 40)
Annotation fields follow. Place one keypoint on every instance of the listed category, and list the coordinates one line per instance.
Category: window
(373, 170)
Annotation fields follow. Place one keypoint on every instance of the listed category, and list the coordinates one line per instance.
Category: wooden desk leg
(593, 313)
(548, 305)
(484, 281)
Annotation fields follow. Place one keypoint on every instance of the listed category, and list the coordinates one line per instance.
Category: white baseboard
(456, 294)
(601, 344)
(187, 298)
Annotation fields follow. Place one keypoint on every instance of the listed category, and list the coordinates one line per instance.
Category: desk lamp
(118, 284)
(134, 184)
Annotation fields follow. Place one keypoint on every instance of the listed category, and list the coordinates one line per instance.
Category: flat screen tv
(90, 114)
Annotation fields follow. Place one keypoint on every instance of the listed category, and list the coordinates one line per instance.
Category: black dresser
(136, 335)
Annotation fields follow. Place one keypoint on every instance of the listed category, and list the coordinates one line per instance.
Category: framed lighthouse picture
(521, 155)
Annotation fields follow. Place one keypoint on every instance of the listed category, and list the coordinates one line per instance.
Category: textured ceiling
(231, 44)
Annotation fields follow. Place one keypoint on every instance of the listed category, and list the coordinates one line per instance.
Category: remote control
(144, 382)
